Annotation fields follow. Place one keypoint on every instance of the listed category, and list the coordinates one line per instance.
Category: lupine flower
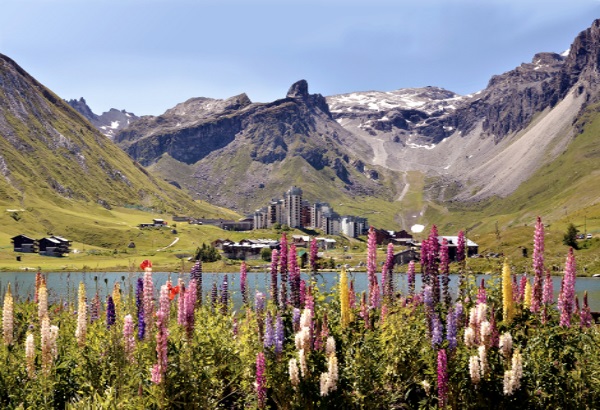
(244, 280)
(567, 295)
(294, 276)
(38, 282)
(283, 269)
(527, 300)
(302, 291)
(303, 364)
(505, 345)
(460, 247)
(49, 334)
(42, 300)
(30, 355)
(128, 338)
(493, 338)
(364, 311)
(181, 312)
(375, 295)
(196, 275)
(474, 369)
(512, 377)
(507, 294)
(485, 331)
(451, 329)
(442, 378)
(7, 317)
(224, 295)
(269, 337)
(139, 302)
(481, 293)
(261, 380)
(352, 297)
(95, 308)
(548, 291)
(165, 301)
(213, 296)
(538, 265)
(190, 305)
(81, 331)
(585, 315)
(116, 295)
(274, 265)
(436, 330)
(259, 302)
(148, 293)
(296, 319)
(523, 287)
(469, 337)
(294, 372)
(279, 335)
(384, 313)
(386, 273)
(445, 272)
(411, 278)
(483, 363)
(329, 378)
(110, 312)
(371, 263)
(162, 333)
(313, 255)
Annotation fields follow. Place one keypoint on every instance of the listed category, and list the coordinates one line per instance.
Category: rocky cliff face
(108, 123)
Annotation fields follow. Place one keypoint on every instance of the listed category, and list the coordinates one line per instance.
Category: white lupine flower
(306, 318)
(303, 365)
(294, 372)
(474, 369)
(485, 331)
(483, 363)
(330, 347)
(30, 355)
(481, 313)
(7, 318)
(469, 337)
(505, 344)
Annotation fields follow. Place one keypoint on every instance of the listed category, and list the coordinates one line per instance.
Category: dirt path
(168, 246)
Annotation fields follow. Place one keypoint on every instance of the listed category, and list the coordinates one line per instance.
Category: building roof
(22, 236)
(453, 241)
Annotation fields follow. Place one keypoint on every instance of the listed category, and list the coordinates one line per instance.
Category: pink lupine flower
(548, 290)
(148, 296)
(442, 378)
(244, 281)
(538, 266)
(585, 315)
(274, 271)
(189, 307)
(371, 262)
(128, 337)
(181, 313)
(481, 294)
(411, 278)
(261, 380)
(568, 292)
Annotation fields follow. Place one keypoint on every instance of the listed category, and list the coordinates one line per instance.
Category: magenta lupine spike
(371, 260)
(522, 286)
(190, 305)
(148, 297)
(388, 283)
(384, 275)
(548, 291)
(481, 293)
(375, 298)
(442, 378)
(294, 276)
(244, 282)
(585, 315)
(261, 380)
(309, 300)
(411, 278)
(494, 334)
(515, 288)
(302, 292)
(162, 333)
(352, 295)
(432, 262)
(274, 272)
(568, 291)
(460, 247)
(538, 266)
(164, 301)
(181, 313)
(313, 255)
(283, 269)
(324, 330)
(128, 338)
(425, 261)
(445, 272)
(433, 240)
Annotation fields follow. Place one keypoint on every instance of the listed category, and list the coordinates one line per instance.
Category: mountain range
(522, 146)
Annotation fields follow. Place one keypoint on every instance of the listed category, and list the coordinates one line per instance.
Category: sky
(146, 56)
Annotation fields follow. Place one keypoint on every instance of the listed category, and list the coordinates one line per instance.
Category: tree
(207, 253)
(570, 237)
(265, 254)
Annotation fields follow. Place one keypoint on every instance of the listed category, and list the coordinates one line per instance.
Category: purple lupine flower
(95, 309)
(111, 316)
(296, 319)
(302, 292)
(548, 293)
(279, 334)
(181, 313)
(261, 380)
(436, 331)
(244, 282)
(481, 293)
(371, 261)
(428, 297)
(425, 261)
(224, 296)
(460, 247)
(445, 272)
(313, 255)
(458, 313)
(451, 329)
(538, 266)
(442, 378)
(259, 302)
(283, 269)
(294, 276)
(139, 302)
(585, 315)
(196, 275)
(411, 278)
(274, 270)
(190, 306)
(269, 337)
(568, 291)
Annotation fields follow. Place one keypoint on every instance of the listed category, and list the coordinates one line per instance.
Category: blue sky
(148, 55)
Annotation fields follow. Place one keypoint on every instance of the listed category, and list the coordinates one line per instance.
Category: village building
(54, 246)
(248, 248)
(25, 244)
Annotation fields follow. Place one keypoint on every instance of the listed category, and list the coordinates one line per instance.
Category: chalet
(25, 244)
(405, 256)
(248, 248)
(325, 243)
(301, 240)
(471, 248)
(54, 246)
(156, 223)
(221, 243)
(245, 224)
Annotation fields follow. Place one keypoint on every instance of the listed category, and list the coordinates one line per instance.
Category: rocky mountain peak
(298, 90)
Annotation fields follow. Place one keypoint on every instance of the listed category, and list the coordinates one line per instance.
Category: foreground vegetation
(505, 344)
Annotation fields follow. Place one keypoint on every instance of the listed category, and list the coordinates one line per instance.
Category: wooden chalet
(25, 244)
(54, 246)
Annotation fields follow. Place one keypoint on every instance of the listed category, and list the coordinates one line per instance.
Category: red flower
(145, 264)
(173, 290)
